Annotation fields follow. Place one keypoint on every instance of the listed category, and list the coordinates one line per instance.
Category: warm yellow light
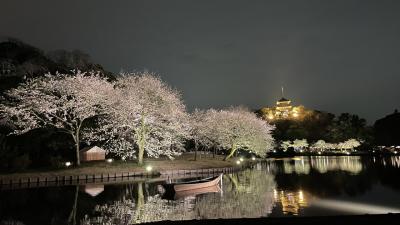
(241, 159)
(271, 117)
(238, 162)
(295, 114)
(301, 196)
(253, 158)
(149, 168)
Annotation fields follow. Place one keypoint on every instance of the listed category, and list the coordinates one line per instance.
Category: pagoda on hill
(282, 110)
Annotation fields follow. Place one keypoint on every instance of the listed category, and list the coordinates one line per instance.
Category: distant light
(238, 162)
(348, 153)
(68, 164)
(274, 151)
(241, 159)
(395, 152)
(295, 114)
(301, 196)
(319, 153)
(271, 117)
(373, 151)
(149, 168)
(110, 160)
(253, 158)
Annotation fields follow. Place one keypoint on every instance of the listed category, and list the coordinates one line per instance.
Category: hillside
(19, 61)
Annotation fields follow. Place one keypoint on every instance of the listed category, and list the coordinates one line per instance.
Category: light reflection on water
(323, 164)
(305, 186)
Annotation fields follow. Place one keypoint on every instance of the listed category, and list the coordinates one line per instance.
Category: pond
(300, 186)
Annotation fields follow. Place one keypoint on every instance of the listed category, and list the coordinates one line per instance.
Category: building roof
(283, 100)
(92, 149)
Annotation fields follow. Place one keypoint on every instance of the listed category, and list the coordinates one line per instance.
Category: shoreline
(102, 171)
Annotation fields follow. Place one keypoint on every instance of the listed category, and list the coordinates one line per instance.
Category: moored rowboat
(208, 182)
(196, 184)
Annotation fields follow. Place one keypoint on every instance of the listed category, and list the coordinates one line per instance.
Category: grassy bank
(184, 162)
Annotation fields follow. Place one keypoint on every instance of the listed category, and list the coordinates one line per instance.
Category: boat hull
(192, 186)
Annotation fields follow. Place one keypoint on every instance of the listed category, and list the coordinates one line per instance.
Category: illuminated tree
(285, 145)
(60, 101)
(349, 144)
(233, 129)
(153, 113)
(202, 130)
(300, 144)
(320, 145)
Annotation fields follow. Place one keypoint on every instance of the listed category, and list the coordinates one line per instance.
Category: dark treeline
(325, 126)
(19, 61)
(319, 125)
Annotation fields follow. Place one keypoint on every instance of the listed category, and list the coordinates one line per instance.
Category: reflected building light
(291, 201)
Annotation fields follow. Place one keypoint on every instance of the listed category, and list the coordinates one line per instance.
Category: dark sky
(337, 56)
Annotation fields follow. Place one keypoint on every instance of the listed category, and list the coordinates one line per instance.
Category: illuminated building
(283, 110)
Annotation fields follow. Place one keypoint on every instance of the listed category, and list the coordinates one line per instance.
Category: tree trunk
(77, 141)
(214, 152)
(233, 149)
(72, 215)
(140, 154)
(195, 150)
(139, 203)
(141, 141)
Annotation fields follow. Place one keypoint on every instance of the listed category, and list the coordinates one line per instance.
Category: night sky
(336, 56)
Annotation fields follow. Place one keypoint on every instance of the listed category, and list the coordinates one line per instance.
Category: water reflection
(93, 189)
(323, 164)
(306, 186)
(393, 161)
(291, 201)
(246, 194)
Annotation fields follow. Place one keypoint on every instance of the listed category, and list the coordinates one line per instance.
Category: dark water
(301, 186)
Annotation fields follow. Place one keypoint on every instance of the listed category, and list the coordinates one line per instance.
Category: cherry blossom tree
(321, 145)
(203, 128)
(66, 102)
(300, 145)
(349, 144)
(285, 145)
(153, 113)
(233, 129)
